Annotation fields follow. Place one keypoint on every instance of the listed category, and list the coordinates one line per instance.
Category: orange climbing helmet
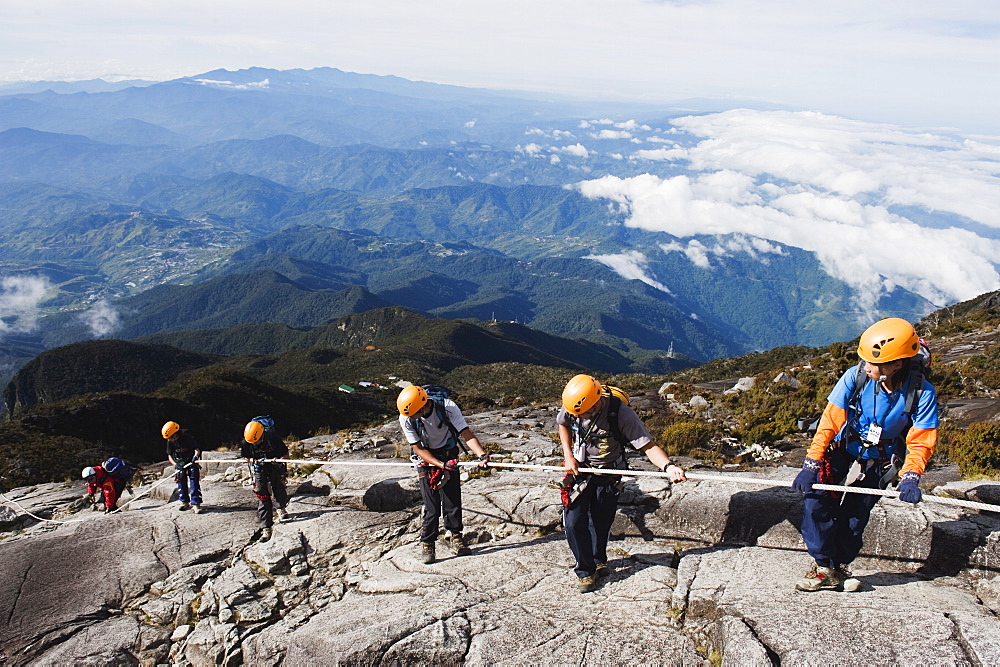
(411, 400)
(169, 429)
(253, 432)
(888, 340)
(581, 394)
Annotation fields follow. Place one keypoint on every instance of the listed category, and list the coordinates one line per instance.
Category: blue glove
(909, 489)
(808, 476)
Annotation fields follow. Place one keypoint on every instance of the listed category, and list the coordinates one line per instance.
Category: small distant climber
(432, 428)
(594, 429)
(182, 452)
(260, 443)
(110, 487)
(881, 419)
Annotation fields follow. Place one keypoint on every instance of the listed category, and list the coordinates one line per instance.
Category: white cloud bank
(857, 194)
(632, 265)
(19, 299)
(101, 319)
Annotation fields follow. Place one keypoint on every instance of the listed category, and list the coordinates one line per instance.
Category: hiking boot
(265, 534)
(281, 515)
(456, 544)
(603, 570)
(848, 583)
(197, 509)
(184, 507)
(427, 552)
(586, 584)
(819, 578)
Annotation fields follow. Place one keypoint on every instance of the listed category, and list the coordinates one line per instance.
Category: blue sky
(928, 64)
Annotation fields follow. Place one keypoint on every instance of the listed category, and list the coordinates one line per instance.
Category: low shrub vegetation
(977, 450)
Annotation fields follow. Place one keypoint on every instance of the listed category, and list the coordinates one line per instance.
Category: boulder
(391, 495)
(895, 617)
(743, 384)
(975, 490)
(113, 559)
(787, 380)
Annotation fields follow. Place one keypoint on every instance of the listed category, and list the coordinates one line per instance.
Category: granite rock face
(701, 572)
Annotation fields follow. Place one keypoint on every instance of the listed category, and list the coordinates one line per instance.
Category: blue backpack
(119, 468)
(266, 422)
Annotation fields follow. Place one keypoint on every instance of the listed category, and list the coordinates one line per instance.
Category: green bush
(977, 451)
(763, 433)
(685, 437)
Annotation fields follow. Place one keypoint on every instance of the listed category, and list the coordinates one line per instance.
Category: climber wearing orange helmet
(880, 419)
(260, 444)
(182, 452)
(594, 428)
(432, 427)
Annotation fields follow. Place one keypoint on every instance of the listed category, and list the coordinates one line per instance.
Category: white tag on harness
(874, 434)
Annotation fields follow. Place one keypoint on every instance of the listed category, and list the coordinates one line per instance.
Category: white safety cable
(373, 462)
(34, 516)
(766, 482)
(118, 509)
(968, 504)
(146, 492)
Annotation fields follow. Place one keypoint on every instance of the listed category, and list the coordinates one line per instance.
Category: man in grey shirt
(593, 429)
(432, 429)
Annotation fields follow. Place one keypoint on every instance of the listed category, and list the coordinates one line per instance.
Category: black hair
(898, 377)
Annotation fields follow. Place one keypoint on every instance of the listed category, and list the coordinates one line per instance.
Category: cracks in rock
(392, 642)
(687, 572)
(216, 556)
(20, 588)
(509, 517)
(155, 550)
(956, 632)
(517, 505)
(771, 654)
(64, 632)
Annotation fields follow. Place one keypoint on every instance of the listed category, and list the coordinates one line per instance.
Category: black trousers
(268, 480)
(447, 500)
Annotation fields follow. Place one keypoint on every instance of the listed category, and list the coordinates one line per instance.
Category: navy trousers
(588, 525)
(189, 484)
(832, 530)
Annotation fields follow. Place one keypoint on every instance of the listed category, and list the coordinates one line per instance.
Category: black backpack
(615, 402)
(920, 369)
(437, 394)
(918, 372)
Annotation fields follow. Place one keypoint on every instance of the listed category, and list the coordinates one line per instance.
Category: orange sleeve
(830, 423)
(920, 444)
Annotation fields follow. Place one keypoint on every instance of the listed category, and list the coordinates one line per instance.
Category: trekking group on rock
(879, 426)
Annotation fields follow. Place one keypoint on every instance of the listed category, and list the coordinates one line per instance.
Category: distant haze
(918, 63)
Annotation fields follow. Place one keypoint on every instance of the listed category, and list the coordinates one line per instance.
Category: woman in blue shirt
(866, 431)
